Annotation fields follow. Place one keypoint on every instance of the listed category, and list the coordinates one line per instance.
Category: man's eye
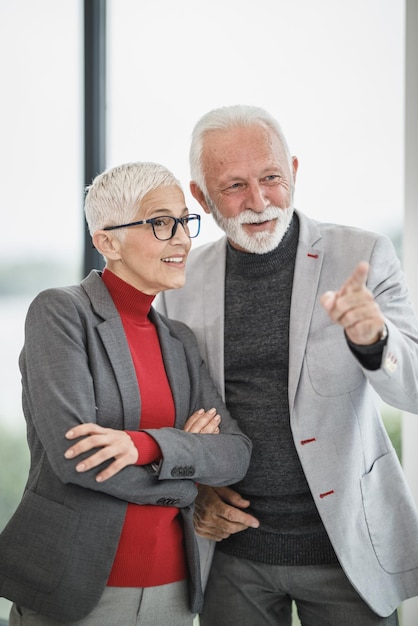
(234, 187)
(272, 178)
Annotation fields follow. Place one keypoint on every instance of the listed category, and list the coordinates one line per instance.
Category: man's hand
(108, 443)
(203, 422)
(354, 308)
(218, 513)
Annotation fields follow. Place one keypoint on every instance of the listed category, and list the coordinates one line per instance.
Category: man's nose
(257, 199)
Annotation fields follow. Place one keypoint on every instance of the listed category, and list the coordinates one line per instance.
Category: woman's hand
(203, 422)
(118, 445)
(108, 443)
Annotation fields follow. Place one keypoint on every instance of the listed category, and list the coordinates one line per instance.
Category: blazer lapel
(114, 341)
(116, 345)
(213, 305)
(308, 265)
(176, 367)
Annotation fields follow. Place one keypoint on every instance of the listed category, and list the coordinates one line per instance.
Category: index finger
(238, 516)
(201, 418)
(357, 280)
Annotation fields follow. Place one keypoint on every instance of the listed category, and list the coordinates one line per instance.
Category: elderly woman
(123, 422)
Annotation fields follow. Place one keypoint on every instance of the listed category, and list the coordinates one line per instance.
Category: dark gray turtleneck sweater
(258, 291)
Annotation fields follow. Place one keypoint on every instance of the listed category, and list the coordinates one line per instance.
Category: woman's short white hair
(223, 119)
(115, 196)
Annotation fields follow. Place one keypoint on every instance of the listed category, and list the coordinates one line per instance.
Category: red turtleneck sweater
(150, 550)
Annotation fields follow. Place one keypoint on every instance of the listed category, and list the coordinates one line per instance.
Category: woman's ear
(107, 244)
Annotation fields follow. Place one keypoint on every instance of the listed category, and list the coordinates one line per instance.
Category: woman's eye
(160, 221)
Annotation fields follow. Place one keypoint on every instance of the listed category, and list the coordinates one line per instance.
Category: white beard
(257, 243)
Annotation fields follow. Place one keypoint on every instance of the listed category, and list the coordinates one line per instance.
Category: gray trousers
(243, 592)
(150, 606)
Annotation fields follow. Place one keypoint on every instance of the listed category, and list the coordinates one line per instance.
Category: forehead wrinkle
(259, 149)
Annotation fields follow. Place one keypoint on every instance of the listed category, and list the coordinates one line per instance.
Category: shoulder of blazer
(90, 295)
(331, 234)
(205, 264)
(213, 250)
(91, 289)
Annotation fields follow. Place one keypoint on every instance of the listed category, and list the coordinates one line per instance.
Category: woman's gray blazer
(58, 548)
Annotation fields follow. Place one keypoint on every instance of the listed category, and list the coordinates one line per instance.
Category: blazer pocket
(331, 367)
(36, 543)
(391, 515)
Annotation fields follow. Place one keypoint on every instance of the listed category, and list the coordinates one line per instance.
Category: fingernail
(68, 454)
(80, 467)
(69, 434)
(328, 294)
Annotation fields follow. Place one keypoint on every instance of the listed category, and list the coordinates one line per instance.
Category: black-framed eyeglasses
(164, 227)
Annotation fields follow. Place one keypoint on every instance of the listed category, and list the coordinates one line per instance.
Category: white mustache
(250, 217)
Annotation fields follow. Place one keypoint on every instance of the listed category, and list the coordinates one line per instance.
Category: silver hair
(223, 119)
(115, 196)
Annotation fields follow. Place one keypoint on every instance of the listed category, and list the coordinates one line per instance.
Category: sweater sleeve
(369, 356)
(148, 449)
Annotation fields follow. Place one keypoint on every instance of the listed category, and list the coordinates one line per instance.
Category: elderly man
(301, 324)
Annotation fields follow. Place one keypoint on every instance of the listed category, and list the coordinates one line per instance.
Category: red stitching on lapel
(327, 493)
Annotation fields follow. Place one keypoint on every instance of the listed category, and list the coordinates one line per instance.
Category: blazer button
(181, 471)
(167, 501)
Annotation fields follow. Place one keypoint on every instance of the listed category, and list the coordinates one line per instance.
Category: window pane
(41, 182)
(331, 72)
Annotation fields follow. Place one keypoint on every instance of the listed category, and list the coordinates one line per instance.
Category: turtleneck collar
(250, 264)
(129, 301)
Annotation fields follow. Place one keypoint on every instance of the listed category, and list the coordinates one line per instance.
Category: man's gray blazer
(349, 462)
(58, 548)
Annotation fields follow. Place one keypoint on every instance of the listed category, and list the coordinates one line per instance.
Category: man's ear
(198, 195)
(107, 244)
(295, 164)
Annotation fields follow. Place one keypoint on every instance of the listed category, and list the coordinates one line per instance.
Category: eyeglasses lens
(166, 227)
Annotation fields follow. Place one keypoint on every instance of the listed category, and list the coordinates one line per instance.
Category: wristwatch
(383, 333)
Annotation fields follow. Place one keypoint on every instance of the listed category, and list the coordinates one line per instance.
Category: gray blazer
(350, 464)
(57, 550)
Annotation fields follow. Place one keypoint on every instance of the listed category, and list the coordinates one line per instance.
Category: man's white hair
(223, 119)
